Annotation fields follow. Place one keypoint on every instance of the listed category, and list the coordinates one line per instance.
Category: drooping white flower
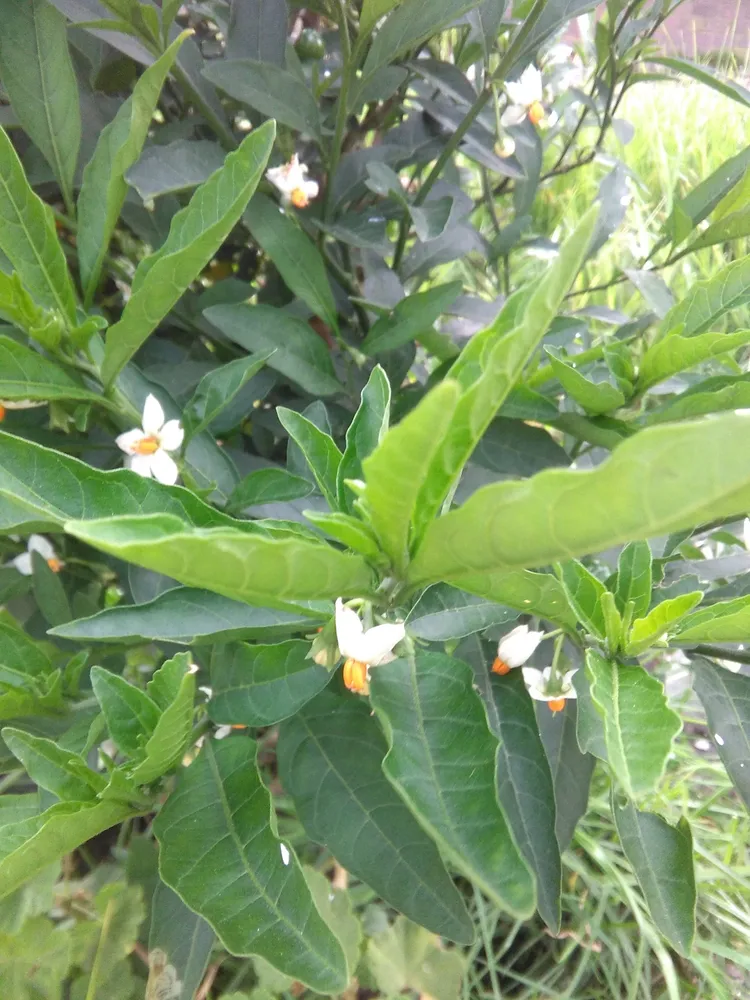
(40, 544)
(147, 447)
(555, 694)
(20, 404)
(363, 648)
(746, 533)
(515, 648)
(524, 98)
(291, 181)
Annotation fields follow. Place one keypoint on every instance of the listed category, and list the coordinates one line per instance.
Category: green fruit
(310, 44)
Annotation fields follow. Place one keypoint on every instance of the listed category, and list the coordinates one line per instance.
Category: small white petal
(379, 642)
(22, 404)
(222, 732)
(746, 533)
(153, 415)
(349, 631)
(517, 646)
(140, 464)
(514, 114)
(285, 855)
(534, 680)
(719, 739)
(171, 435)
(128, 441)
(163, 468)
(208, 691)
(38, 543)
(23, 564)
(311, 189)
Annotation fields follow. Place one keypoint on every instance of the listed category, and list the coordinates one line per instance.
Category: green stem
(342, 106)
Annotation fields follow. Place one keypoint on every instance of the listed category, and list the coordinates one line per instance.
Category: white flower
(538, 685)
(515, 648)
(147, 448)
(746, 533)
(37, 543)
(363, 649)
(292, 183)
(524, 98)
(20, 404)
(730, 665)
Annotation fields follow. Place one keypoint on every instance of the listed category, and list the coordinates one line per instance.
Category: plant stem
(341, 108)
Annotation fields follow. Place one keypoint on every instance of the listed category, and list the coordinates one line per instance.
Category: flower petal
(349, 631)
(171, 435)
(379, 641)
(23, 564)
(534, 680)
(42, 545)
(164, 468)
(514, 114)
(127, 442)
(140, 464)
(153, 415)
(311, 189)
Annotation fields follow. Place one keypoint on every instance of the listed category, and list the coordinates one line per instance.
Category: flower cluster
(514, 649)
(291, 181)
(363, 648)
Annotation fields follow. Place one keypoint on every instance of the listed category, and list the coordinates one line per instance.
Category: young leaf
(187, 617)
(61, 772)
(533, 593)
(708, 300)
(634, 578)
(25, 374)
(330, 757)
(396, 469)
(284, 570)
(639, 727)
(676, 353)
(299, 354)
(319, 449)
(726, 699)
(663, 618)
(38, 77)
(261, 685)
(171, 734)
(584, 593)
(179, 944)
(218, 388)
(119, 913)
(269, 485)
(406, 959)
(571, 769)
(662, 859)
(364, 434)
(296, 257)
(131, 715)
(594, 397)
(28, 237)
(49, 592)
(662, 479)
(724, 621)
(428, 705)
(412, 317)
(444, 612)
(194, 236)
(104, 187)
(221, 808)
(258, 29)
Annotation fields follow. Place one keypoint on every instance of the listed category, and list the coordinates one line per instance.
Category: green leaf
(54, 488)
(372, 11)
(662, 618)
(397, 468)
(299, 354)
(194, 236)
(533, 593)
(220, 807)
(268, 486)
(49, 592)
(594, 397)
(724, 621)
(348, 530)
(34, 963)
(639, 727)
(119, 913)
(714, 395)
(186, 617)
(104, 188)
(283, 570)
(365, 432)
(444, 612)
(336, 907)
(61, 772)
(261, 685)
(329, 758)
(218, 388)
(734, 226)
(24, 374)
(708, 300)
(571, 770)
(19, 652)
(704, 74)
(726, 699)
(589, 722)
(662, 859)
(658, 481)
(319, 449)
(411, 317)
(405, 958)
(131, 715)
(28, 237)
(613, 623)
(676, 353)
(171, 734)
(296, 257)
(273, 91)
(524, 782)
(38, 77)
(488, 377)
(428, 706)
(584, 593)
(179, 945)
(634, 578)
(174, 166)
(408, 26)
(17, 807)
(28, 846)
